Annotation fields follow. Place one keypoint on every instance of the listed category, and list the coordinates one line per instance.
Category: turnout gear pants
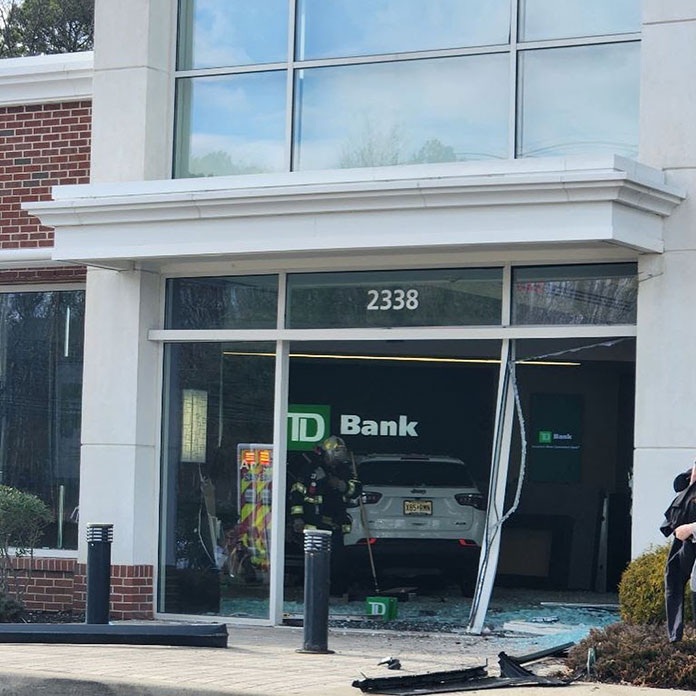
(680, 563)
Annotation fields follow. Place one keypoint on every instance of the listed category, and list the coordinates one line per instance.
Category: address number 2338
(395, 300)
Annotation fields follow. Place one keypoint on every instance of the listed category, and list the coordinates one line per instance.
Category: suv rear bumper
(441, 554)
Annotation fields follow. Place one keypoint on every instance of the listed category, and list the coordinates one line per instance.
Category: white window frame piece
(495, 509)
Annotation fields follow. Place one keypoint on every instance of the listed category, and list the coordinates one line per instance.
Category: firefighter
(320, 497)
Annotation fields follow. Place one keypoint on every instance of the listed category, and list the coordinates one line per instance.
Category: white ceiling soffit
(551, 202)
(46, 79)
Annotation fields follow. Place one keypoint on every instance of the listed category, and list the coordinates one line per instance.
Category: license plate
(418, 507)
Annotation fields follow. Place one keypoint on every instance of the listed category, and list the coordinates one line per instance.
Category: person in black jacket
(680, 521)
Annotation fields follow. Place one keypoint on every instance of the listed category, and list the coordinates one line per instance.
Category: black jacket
(682, 509)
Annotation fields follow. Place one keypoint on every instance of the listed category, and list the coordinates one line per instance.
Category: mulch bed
(51, 617)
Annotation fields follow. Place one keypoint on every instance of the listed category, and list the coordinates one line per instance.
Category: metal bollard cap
(317, 540)
(100, 531)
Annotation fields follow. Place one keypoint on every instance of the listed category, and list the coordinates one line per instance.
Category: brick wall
(41, 145)
(131, 591)
(59, 584)
(50, 587)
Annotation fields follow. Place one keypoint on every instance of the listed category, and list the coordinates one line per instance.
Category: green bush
(22, 519)
(641, 591)
(639, 655)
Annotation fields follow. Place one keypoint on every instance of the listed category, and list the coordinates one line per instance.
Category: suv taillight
(472, 499)
(370, 497)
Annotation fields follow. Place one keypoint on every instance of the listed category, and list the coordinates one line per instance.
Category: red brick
(45, 138)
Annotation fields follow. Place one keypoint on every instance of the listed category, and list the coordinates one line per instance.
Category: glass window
(560, 19)
(579, 100)
(233, 124)
(238, 302)
(216, 479)
(394, 298)
(41, 338)
(220, 33)
(441, 110)
(329, 28)
(597, 294)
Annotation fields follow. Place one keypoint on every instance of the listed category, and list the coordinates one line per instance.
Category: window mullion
(290, 84)
(512, 106)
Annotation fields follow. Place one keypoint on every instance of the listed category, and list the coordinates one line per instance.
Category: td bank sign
(308, 425)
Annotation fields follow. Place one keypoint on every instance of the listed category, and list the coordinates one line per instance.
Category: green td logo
(308, 425)
(544, 437)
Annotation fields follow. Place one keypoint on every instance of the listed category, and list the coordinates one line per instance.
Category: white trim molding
(46, 79)
(545, 202)
(34, 257)
(419, 333)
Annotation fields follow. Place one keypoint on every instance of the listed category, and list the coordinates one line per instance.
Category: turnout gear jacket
(321, 495)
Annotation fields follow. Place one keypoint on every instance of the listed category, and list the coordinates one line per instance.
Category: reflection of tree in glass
(207, 303)
(220, 163)
(577, 301)
(372, 146)
(40, 395)
(375, 146)
(434, 150)
(452, 303)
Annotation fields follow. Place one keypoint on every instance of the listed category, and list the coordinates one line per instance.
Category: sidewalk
(258, 662)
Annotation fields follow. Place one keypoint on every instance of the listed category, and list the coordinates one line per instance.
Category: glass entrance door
(217, 479)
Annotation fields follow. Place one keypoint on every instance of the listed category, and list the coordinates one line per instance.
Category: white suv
(423, 512)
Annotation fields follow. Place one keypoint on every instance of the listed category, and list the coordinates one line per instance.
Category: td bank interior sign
(556, 444)
(309, 424)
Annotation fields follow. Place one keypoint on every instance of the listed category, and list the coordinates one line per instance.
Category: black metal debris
(512, 673)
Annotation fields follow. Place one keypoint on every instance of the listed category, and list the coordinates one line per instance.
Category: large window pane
(230, 125)
(560, 19)
(448, 297)
(328, 28)
(442, 110)
(597, 294)
(580, 100)
(217, 471)
(241, 302)
(41, 336)
(222, 33)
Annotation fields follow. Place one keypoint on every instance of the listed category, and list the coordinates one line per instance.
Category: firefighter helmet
(335, 450)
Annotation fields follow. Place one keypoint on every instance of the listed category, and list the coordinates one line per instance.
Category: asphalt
(259, 662)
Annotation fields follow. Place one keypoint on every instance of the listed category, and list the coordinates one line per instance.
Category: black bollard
(99, 538)
(317, 548)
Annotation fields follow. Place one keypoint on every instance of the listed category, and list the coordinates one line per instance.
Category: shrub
(641, 591)
(22, 519)
(639, 655)
(10, 609)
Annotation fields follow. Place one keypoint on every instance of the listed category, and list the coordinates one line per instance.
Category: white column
(666, 348)
(120, 406)
(132, 105)
(280, 419)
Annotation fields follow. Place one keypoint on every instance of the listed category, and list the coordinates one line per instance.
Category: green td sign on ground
(308, 425)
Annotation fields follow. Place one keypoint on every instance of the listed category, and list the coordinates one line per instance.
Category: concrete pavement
(258, 662)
